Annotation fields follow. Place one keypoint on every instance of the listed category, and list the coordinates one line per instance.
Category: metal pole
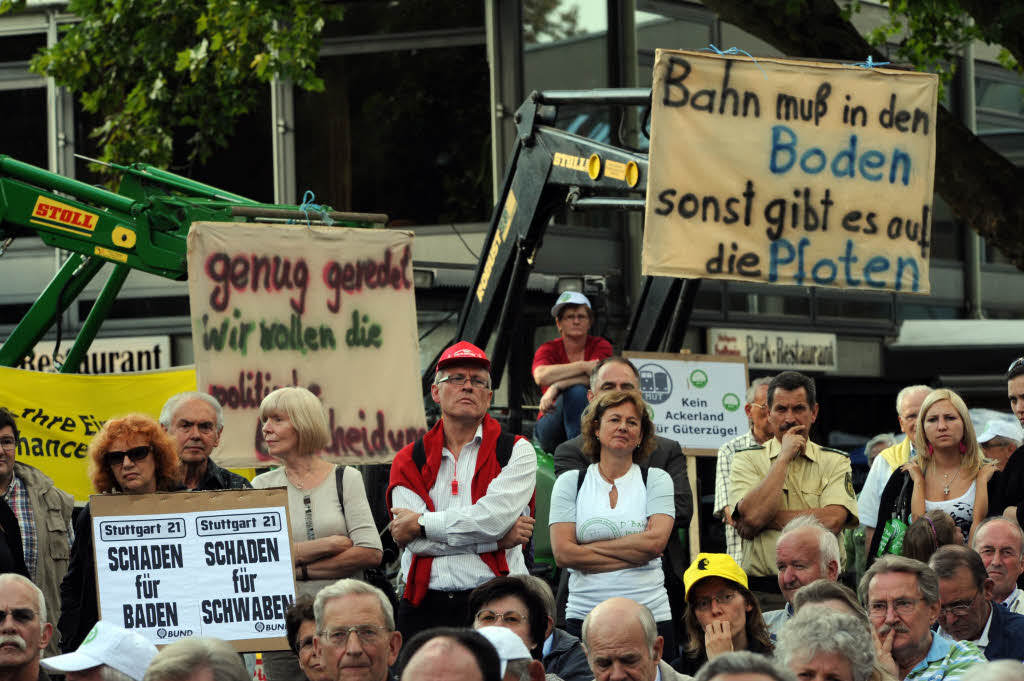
(100, 308)
(974, 247)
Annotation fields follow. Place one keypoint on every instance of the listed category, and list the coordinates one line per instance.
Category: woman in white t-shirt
(610, 529)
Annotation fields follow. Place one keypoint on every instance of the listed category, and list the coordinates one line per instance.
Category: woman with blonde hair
(333, 532)
(130, 455)
(611, 522)
(947, 473)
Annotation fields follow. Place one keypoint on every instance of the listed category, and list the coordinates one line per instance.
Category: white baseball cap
(569, 298)
(125, 651)
(507, 643)
(999, 428)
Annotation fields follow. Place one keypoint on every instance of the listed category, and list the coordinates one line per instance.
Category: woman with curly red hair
(130, 455)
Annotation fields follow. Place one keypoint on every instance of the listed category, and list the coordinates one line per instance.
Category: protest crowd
(936, 596)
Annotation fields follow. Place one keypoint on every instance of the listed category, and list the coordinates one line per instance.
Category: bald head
(621, 640)
(442, 659)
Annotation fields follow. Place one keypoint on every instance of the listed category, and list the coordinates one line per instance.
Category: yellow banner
(58, 414)
(790, 172)
(326, 308)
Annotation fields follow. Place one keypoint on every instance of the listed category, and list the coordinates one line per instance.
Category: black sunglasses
(136, 454)
(20, 615)
(1016, 363)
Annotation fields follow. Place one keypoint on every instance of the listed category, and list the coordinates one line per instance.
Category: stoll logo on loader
(50, 213)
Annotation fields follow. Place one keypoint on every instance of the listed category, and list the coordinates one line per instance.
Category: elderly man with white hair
(806, 551)
(24, 631)
(622, 642)
(908, 403)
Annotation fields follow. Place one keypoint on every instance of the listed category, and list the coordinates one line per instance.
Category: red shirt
(553, 352)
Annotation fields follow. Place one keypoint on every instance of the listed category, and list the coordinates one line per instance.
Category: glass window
(245, 166)
(565, 45)
(947, 233)
(404, 133)
(21, 47)
(366, 17)
(23, 134)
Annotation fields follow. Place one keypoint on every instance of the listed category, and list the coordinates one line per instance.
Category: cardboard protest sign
(151, 550)
(790, 172)
(329, 309)
(696, 400)
(59, 414)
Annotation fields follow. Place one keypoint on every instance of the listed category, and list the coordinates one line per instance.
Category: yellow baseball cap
(713, 565)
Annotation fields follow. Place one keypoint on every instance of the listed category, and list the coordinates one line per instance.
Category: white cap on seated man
(1001, 439)
(516, 662)
(108, 653)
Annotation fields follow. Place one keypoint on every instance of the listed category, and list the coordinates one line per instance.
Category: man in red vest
(460, 497)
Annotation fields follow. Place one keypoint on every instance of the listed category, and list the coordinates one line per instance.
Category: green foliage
(547, 20)
(932, 34)
(161, 71)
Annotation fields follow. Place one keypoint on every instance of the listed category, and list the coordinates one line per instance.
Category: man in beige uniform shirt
(785, 477)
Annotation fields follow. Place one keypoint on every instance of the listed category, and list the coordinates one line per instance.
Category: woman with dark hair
(948, 471)
(508, 602)
(722, 616)
(609, 525)
(130, 455)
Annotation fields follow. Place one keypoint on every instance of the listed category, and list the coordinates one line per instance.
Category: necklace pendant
(945, 490)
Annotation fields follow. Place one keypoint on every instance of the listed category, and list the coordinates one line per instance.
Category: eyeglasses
(303, 644)
(724, 598)
(760, 406)
(1016, 363)
(458, 380)
(367, 633)
(136, 454)
(958, 609)
(489, 617)
(205, 427)
(8, 443)
(20, 615)
(904, 607)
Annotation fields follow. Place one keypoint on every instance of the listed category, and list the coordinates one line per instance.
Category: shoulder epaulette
(750, 449)
(834, 451)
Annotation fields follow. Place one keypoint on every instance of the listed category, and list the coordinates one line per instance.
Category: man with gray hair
(1000, 543)
(967, 612)
(195, 421)
(197, 659)
(908, 403)
(820, 638)
(902, 599)
(760, 431)
(621, 640)
(356, 635)
(743, 666)
(806, 551)
(24, 631)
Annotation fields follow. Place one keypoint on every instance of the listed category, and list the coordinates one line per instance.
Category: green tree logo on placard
(698, 378)
(731, 401)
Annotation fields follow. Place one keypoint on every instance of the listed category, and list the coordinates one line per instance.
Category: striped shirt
(17, 498)
(733, 541)
(946, 660)
(458, 529)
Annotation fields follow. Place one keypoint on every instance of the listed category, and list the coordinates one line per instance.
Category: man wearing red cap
(460, 497)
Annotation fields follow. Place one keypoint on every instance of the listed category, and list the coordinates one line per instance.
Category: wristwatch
(423, 525)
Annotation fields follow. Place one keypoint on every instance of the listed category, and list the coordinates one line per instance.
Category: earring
(963, 447)
(931, 450)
